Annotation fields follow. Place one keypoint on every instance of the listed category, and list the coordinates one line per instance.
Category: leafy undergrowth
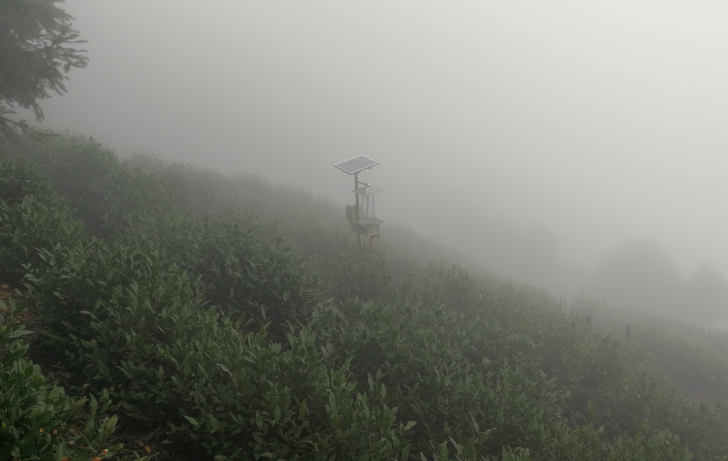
(219, 339)
(38, 420)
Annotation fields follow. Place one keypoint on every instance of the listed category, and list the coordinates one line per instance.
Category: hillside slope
(238, 336)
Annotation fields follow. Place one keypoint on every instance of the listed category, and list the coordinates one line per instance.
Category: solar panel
(356, 164)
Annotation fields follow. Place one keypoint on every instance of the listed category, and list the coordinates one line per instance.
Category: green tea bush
(593, 371)
(103, 193)
(225, 334)
(131, 321)
(31, 217)
(234, 393)
(467, 405)
(39, 421)
(345, 271)
(241, 271)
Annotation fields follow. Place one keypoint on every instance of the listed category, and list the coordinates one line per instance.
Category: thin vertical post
(356, 196)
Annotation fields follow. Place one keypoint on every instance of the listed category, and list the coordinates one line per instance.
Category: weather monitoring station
(362, 215)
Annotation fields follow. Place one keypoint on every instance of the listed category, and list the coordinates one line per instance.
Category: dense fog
(575, 146)
(178, 230)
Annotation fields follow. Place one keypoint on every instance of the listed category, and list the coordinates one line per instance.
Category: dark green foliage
(105, 195)
(37, 420)
(125, 316)
(451, 377)
(244, 347)
(31, 217)
(346, 272)
(36, 49)
(242, 272)
(150, 336)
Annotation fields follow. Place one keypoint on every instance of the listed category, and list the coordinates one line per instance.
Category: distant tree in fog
(36, 51)
(705, 296)
(641, 275)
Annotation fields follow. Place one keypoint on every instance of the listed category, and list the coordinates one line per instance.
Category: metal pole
(356, 196)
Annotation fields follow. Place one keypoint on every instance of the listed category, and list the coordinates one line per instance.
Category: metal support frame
(354, 166)
(356, 196)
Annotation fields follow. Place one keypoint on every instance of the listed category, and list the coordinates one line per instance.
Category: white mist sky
(601, 121)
